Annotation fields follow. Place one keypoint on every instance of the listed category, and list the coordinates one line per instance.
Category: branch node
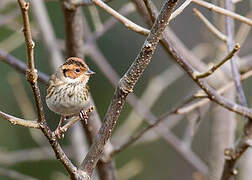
(214, 67)
(83, 174)
(234, 171)
(229, 154)
(31, 75)
(25, 6)
(31, 45)
(125, 85)
(237, 47)
(41, 125)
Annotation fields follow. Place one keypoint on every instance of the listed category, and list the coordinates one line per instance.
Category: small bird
(67, 92)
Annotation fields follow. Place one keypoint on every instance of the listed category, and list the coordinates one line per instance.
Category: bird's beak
(89, 72)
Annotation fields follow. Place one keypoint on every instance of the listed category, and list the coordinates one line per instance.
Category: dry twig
(219, 64)
(225, 12)
(210, 26)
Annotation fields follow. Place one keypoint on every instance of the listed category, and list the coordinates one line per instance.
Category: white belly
(65, 102)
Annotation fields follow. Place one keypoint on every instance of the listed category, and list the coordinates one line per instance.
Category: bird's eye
(77, 70)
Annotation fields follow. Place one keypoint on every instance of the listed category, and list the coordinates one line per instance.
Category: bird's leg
(83, 113)
(58, 132)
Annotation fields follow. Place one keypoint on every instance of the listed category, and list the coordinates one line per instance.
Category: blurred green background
(152, 160)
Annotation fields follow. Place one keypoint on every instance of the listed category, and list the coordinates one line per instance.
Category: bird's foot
(84, 113)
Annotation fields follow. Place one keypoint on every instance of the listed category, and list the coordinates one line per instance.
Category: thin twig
(243, 32)
(219, 64)
(180, 9)
(202, 102)
(108, 24)
(86, 2)
(210, 26)
(129, 24)
(125, 86)
(137, 136)
(21, 122)
(191, 157)
(225, 12)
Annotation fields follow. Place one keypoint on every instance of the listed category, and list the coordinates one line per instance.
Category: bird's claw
(83, 114)
(58, 133)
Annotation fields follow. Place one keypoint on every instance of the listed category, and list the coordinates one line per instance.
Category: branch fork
(214, 67)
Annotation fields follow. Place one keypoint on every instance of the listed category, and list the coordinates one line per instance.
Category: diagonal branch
(225, 12)
(126, 86)
(219, 64)
(210, 26)
(20, 66)
(129, 24)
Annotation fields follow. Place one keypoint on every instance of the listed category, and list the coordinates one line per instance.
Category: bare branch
(180, 9)
(125, 86)
(219, 64)
(21, 122)
(125, 10)
(134, 138)
(243, 32)
(210, 26)
(86, 2)
(20, 66)
(225, 12)
(129, 24)
(201, 94)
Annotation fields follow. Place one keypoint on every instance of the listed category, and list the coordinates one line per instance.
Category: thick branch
(125, 86)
